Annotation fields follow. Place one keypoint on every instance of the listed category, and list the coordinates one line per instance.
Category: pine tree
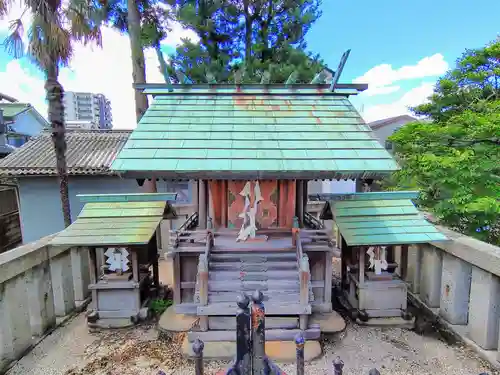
(250, 41)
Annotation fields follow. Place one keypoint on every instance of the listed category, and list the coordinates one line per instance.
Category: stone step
(250, 249)
(312, 333)
(253, 258)
(250, 286)
(272, 308)
(247, 266)
(228, 323)
(272, 296)
(253, 275)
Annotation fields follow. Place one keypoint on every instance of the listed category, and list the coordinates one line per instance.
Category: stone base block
(172, 322)
(330, 322)
(279, 351)
(388, 322)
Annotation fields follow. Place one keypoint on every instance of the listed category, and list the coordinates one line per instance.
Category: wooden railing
(202, 279)
(304, 277)
(190, 223)
(312, 222)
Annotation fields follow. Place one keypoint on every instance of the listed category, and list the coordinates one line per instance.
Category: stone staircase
(275, 273)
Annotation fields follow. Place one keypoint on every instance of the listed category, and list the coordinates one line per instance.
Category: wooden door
(267, 212)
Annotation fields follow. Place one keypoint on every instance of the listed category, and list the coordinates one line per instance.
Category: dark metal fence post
(374, 371)
(300, 343)
(259, 363)
(198, 356)
(338, 365)
(243, 336)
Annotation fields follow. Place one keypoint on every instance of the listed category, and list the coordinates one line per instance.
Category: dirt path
(72, 350)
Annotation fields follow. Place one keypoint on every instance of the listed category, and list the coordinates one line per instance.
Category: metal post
(299, 346)
(243, 336)
(198, 356)
(259, 363)
(338, 365)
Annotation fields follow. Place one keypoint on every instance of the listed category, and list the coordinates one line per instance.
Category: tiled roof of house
(253, 131)
(386, 121)
(89, 152)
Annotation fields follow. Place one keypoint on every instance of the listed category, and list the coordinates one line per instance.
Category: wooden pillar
(304, 195)
(202, 204)
(194, 193)
(300, 205)
(149, 186)
(328, 278)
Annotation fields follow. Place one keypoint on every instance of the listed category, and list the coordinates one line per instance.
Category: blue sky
(398, 47)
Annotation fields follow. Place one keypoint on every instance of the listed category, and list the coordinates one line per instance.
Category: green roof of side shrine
(382, 218)
(117, 219)
(252, 132)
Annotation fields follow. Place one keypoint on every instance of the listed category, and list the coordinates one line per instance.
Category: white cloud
(381, 77)
(18, 83)
(106, 70)
(413, 97)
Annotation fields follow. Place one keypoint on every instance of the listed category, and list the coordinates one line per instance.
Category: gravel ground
(72, 350)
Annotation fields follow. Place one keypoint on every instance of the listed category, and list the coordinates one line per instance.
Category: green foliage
(240, 41)
(455, 166)
(158, 306)
(54, 28)
(475, 78)
(453, 159)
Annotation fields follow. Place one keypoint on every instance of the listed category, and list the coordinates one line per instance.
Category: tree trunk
(248, 32)
(138, 64)
(55, 93)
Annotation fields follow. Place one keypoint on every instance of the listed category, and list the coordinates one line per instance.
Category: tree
(55, 26)
(453, 159)
(476, 77)
(246, 41)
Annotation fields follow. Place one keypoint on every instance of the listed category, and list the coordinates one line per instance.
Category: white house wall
(27, 124)
(40, 202)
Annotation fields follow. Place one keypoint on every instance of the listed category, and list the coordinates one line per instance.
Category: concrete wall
(38, 284)
(40, 204)
(331, 187)
(459, 281)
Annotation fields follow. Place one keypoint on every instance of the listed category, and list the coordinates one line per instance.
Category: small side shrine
(371, 227)
(121, 232)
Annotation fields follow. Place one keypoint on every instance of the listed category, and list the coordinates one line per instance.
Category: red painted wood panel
(286, 207)
(267, 212)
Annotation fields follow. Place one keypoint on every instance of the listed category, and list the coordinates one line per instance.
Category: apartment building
(84, 107)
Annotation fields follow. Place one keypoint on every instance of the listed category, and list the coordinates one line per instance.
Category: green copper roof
(250, 132)
(10, 110)
(380, 219)
(114, 220)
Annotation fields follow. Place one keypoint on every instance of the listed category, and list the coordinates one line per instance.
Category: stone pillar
(81, 274)
(484, 308)
(455, 289)
(62, 284)
(430, 280)
(414, 268)
(15, 331)
(40, 299)
(165, 227)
